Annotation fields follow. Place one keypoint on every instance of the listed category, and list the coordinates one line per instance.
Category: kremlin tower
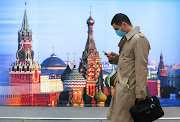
(162, 72)
(24, 74)
(161, 69)
(90, 66)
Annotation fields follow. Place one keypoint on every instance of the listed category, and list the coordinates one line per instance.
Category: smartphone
(104, 52)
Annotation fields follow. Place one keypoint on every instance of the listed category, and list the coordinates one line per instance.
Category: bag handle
(150, 100)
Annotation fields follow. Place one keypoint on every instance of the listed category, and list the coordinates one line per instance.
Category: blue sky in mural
(63, 24)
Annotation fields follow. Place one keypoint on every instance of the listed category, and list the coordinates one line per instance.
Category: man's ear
(124, 24)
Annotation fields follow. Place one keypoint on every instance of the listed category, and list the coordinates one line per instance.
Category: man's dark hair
(119, 18)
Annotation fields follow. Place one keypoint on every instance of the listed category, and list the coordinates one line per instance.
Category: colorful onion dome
(107, 80)
(100, 96)
(113, 80)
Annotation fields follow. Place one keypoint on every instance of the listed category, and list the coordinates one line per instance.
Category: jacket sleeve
(115, 60)
(141, 52)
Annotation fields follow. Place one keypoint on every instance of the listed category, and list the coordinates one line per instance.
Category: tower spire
(74, 60)
(161, 68)
(161, 63)
(90, 11)
(25, 25)
(68, 58)
(161, 53)
(90, 44)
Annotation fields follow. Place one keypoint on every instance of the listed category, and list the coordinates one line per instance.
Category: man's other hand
(140, 99)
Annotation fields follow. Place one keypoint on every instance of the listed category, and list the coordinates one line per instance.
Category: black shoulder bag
(147, 110)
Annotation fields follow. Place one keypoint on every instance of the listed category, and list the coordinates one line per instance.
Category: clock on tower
(22, 55)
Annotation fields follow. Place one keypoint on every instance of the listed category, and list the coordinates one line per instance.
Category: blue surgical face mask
(120, 33)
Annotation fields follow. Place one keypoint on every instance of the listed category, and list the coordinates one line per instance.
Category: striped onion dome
(113, 80)
(74, 80)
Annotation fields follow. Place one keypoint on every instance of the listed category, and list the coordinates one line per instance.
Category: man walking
(132, 69)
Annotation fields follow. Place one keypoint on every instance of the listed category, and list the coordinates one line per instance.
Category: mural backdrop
(51, 51)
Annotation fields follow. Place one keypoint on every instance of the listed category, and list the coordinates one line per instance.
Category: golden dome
(90, 20)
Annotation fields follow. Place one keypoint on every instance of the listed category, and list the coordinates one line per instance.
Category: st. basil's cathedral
(53, 83)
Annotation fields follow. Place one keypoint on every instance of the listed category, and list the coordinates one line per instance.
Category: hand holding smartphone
(105, 53)
(109, 55)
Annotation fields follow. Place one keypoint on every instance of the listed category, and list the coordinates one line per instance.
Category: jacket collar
(128, 36)
(134, 31)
